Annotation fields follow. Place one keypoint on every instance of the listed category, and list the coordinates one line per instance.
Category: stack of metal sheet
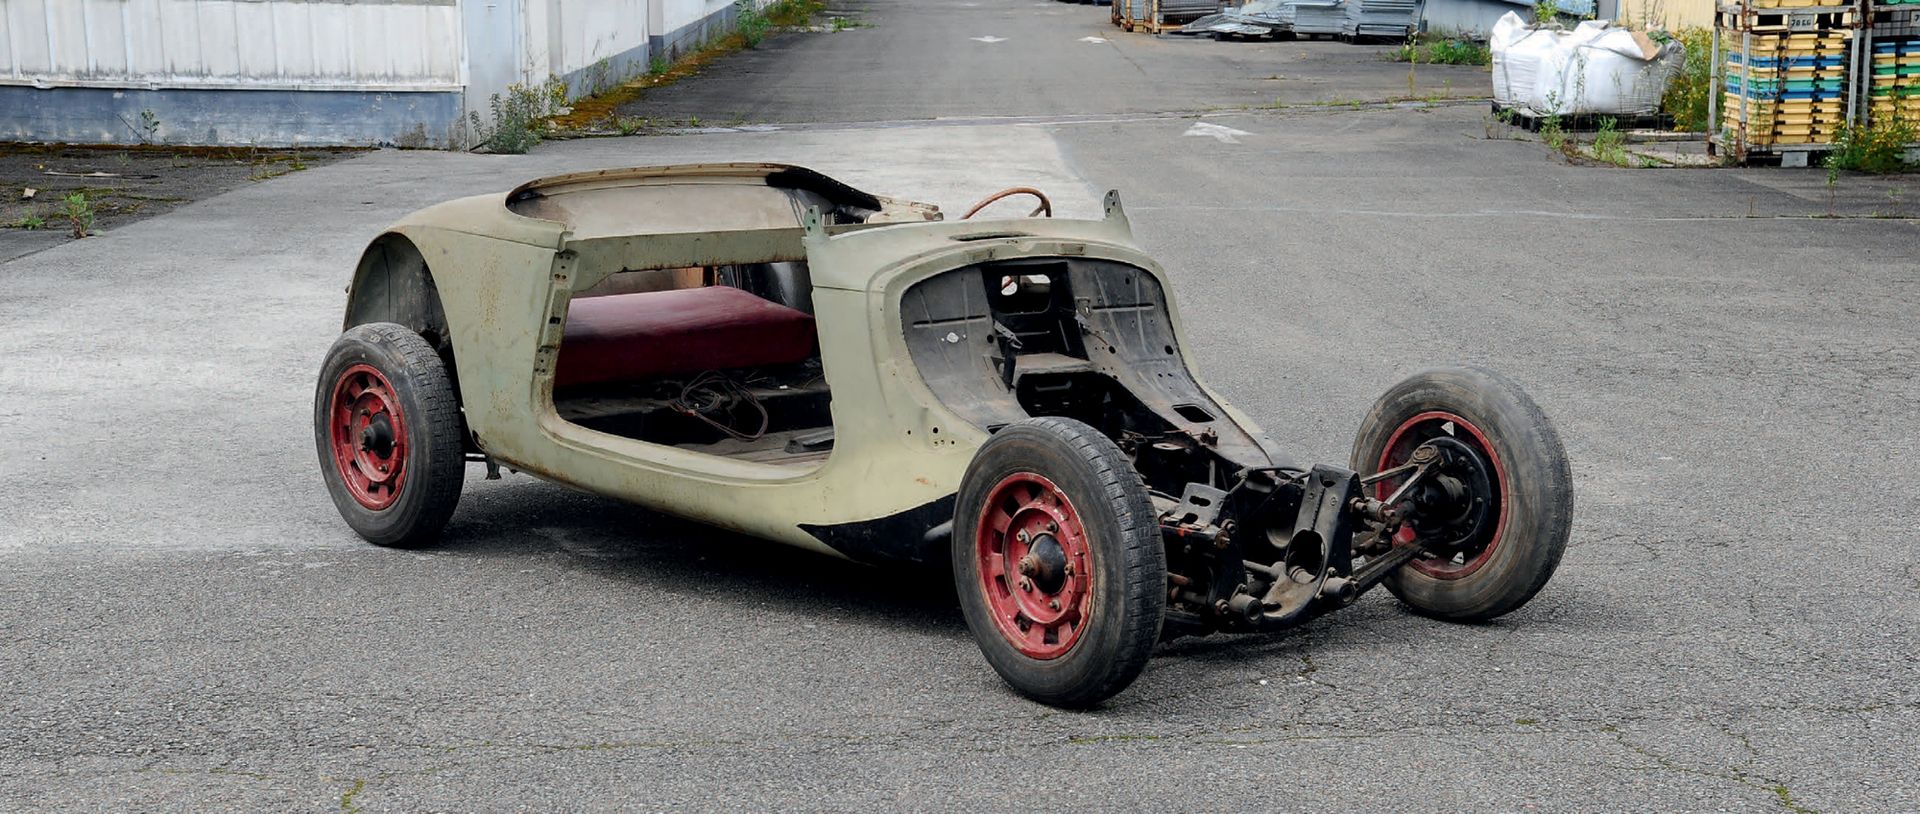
(1177, 12)
(1258, 18)
(1379, 18)
(1283, 14)
(1311, 17)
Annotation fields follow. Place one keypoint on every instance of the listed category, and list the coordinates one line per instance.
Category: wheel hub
(377, 438)
(1453, 506)
(1034, 563)
(1045, 563)
(367, 432)
(1457, 513)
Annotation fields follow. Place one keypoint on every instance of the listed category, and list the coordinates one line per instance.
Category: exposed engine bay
(1253, 541)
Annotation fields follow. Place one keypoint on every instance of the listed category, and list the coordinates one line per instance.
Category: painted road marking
(989, 39)
(1225, 134)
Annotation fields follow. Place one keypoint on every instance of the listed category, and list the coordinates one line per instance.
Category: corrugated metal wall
(1673, 14)
(281, 72)
(240, 44)
(593, 31)
(686, 24)
(592, 44)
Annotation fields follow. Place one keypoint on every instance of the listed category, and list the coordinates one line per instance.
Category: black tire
(1125, 600)
(432, 466)
(1535, 504)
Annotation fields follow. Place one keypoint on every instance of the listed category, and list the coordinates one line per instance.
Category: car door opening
(722, 360)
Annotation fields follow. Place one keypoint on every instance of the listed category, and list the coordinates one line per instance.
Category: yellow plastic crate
(1823, 42)
(1768, 139)
(1788, 120)
(1732, 103)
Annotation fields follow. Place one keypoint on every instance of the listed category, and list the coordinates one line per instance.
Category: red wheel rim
(1400, 446)
(1035, 565)
(368, 435)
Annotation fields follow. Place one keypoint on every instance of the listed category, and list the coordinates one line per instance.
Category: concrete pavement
(188, 626)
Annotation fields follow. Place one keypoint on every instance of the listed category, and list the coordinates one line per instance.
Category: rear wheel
(1502, 478)
(387, 425)
(1058, 562)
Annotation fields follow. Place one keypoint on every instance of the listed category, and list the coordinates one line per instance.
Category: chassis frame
(925, 366)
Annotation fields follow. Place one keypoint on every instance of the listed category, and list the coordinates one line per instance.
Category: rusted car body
(765, 349)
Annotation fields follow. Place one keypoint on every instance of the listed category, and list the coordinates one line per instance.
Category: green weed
(1609, 145)
(1880, 147)
(1432, 50)
(750, 23)
(519, 119)
(1553, 134)
(79, 214)
(1687, 95)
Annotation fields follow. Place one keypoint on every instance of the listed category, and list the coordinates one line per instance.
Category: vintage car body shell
(504, 281)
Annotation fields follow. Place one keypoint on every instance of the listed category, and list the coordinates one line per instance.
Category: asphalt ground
(1000, 58)
(186, 625)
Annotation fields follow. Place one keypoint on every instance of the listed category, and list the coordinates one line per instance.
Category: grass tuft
(1430, 50)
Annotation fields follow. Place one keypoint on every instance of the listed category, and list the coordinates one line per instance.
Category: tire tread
(1124, 497)
(439, 472)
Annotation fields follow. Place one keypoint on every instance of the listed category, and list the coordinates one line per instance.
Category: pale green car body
(503, 282)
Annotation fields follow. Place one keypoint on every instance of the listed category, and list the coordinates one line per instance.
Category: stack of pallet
(1787, 88)
(1157, 16)
(1895, 91)
(1892, 83)
(1785, 69)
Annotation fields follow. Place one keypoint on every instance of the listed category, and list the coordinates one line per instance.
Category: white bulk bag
(1599, 69)
(1520, 53)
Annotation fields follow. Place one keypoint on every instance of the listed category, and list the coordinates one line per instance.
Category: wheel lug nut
(1052, 526)
(1026, 584)
(1021, 536)
(1053, 604)
(1029, 565)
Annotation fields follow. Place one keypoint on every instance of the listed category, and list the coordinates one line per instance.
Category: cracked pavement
(186, 625)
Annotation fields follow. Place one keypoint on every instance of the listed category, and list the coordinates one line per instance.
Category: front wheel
(1058, 562)
(387, 425)
(1502, 478)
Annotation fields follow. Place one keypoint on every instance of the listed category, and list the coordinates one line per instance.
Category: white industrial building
(313, 72)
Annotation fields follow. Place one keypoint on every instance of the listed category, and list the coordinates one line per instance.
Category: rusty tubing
(1046, 204)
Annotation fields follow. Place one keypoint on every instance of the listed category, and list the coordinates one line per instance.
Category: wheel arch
(393, 283)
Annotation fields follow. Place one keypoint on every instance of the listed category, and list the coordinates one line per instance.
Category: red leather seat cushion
(668, 333)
